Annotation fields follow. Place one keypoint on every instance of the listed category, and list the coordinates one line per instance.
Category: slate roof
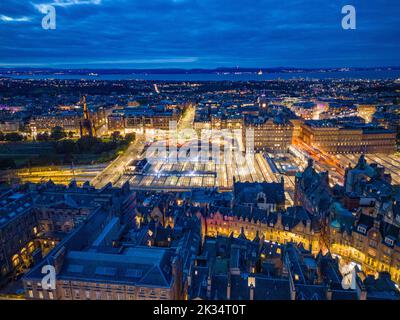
(329, 270)
(310, 292)
(341, 219)
(295, 215)
(135, 266)
(381, 288)
(249, 213)
(391, 231)
(365, 221)
(246, 192)
(265, 288)
(344, 295)
(315, 188)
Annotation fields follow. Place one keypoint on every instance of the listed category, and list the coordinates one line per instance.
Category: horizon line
(194, 68)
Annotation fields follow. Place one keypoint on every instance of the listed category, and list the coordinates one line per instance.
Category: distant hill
(94, 72)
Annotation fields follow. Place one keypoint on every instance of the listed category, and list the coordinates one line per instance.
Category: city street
(114, 171)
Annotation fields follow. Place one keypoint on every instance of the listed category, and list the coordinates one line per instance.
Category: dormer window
(389, 241)
(362, 229)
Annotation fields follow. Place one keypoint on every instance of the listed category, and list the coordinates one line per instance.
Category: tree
(130, 137)
(43, 136)
(1, 136)
(87, 143)
(13, 136)
(116, 135)
(57, 133)
(65, 146)
(7, 164)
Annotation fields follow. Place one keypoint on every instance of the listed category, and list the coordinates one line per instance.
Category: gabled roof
(310, 292)
(295, 215)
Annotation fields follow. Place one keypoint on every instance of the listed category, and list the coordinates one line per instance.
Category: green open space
(86, 150)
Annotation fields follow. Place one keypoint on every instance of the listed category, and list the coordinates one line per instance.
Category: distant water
(372, 75)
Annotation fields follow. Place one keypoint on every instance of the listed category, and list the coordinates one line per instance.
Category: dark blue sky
(199, 33)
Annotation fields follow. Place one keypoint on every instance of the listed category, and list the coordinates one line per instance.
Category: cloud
(67, 3)
(147, 61)
(216, 32)
(75, 2)
(41, 7)
(166, 61)
(5, 18)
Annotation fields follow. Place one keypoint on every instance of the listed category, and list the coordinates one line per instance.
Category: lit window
(389, 241)
(362, 229)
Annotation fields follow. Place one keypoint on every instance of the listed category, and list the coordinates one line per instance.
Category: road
(186, 122)
(323, 160)
(116, 169)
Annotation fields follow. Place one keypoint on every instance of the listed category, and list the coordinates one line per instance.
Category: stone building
(34, 218)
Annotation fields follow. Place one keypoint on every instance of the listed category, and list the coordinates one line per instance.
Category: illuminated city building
(258, 208)
(34, 218)
(10, 126)
(230, 268)
(108, 254)
(79, 121)
(337, 137)
(309, 110)
(366, 112)
(141, 119)
(231, 122)
(338, 109)
(271, 134)
(116, 121)
(68, 120)
(296, 127)
(235, 240)
(118, 260)
(361, 220)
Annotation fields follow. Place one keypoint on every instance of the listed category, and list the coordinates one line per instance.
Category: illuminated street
(113, 171)
(221, 153)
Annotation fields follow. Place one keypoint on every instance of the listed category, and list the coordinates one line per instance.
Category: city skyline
(206, 34)
(216, 152)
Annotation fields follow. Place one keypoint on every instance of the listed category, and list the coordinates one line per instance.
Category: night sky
(199, 34)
